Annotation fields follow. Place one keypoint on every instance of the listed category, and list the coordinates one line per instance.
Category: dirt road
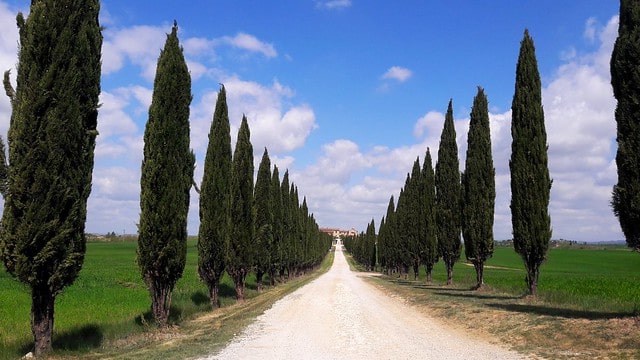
(340, 316)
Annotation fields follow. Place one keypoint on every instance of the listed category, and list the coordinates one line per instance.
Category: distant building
(336, 233)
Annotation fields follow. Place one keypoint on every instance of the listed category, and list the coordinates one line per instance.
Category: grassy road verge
(206, 333)
(580, 324)
(105, 313)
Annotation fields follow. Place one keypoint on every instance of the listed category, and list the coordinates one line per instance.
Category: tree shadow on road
(80, 338)
(472, 294)
(560, 312)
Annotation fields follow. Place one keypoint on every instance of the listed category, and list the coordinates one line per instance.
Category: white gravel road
(340, 316)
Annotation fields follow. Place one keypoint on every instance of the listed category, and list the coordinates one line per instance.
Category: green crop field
(605, 280)
(107, 301)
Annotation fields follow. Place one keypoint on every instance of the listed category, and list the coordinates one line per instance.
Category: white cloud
(112, 118)
(333, 4)
(579, 114)
(397, 73)
(590, 29)
(120, 46)
(8, 60)
(350, 186)
(431, 122)
(251, 43)
(279, 128)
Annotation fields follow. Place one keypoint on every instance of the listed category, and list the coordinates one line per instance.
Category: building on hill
(336, 233)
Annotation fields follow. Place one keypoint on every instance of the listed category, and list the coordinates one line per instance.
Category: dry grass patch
(524, 324)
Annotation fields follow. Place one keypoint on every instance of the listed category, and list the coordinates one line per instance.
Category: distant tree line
(436, 207)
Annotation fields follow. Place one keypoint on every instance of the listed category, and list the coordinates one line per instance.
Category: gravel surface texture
(340, 316)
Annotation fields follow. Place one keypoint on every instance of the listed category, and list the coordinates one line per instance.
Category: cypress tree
(389, 237)
(167, 176)
(305, 235)
(287, 226)
(240, 255)
(625, 79)
(402, 228)
(478, 188)
(382, 246)
(414, 218)
(371, 245)
(530, 182)
(263, 219)
(448, 196)
(51, 143)
(296, 230)
(429, 254)
(276, 255)
(214, 200)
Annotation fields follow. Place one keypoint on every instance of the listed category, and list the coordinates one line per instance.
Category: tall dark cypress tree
(414, 223)
(263, 219)
(478, 189)
(167, 176)
(371, 246)
(296, 231)
(240, 254)
(276, 255)
(214, 200)
(388, 234)
(625, 79)
(287, 227)
(381, 246)
(530, 182)
(51, 144)
(448, 196)
(429, 254)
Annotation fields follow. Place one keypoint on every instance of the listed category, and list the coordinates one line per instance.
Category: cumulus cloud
(590, 29)
(8, 51)
(333, 4)
(123, 45)
(251, 43)
(397, 73)
(273, 124)
(579, 114)
(352, 185)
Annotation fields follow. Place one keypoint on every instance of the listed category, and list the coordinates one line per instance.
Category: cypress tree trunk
(213, 294)
(530, 182)
(166, 179)
(51, 141)
(479, 266)
(448, 202)
(429, 270)
(160, 301)
(625, 80)
(214, 201)
(42, 307)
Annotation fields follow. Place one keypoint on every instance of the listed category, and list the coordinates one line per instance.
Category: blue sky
(347, 93)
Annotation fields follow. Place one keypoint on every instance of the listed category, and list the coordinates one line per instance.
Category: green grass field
(592, 280)
(107, 301)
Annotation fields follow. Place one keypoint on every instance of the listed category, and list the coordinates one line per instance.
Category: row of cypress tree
(243, 228)
(46, 178)
(435, 207)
